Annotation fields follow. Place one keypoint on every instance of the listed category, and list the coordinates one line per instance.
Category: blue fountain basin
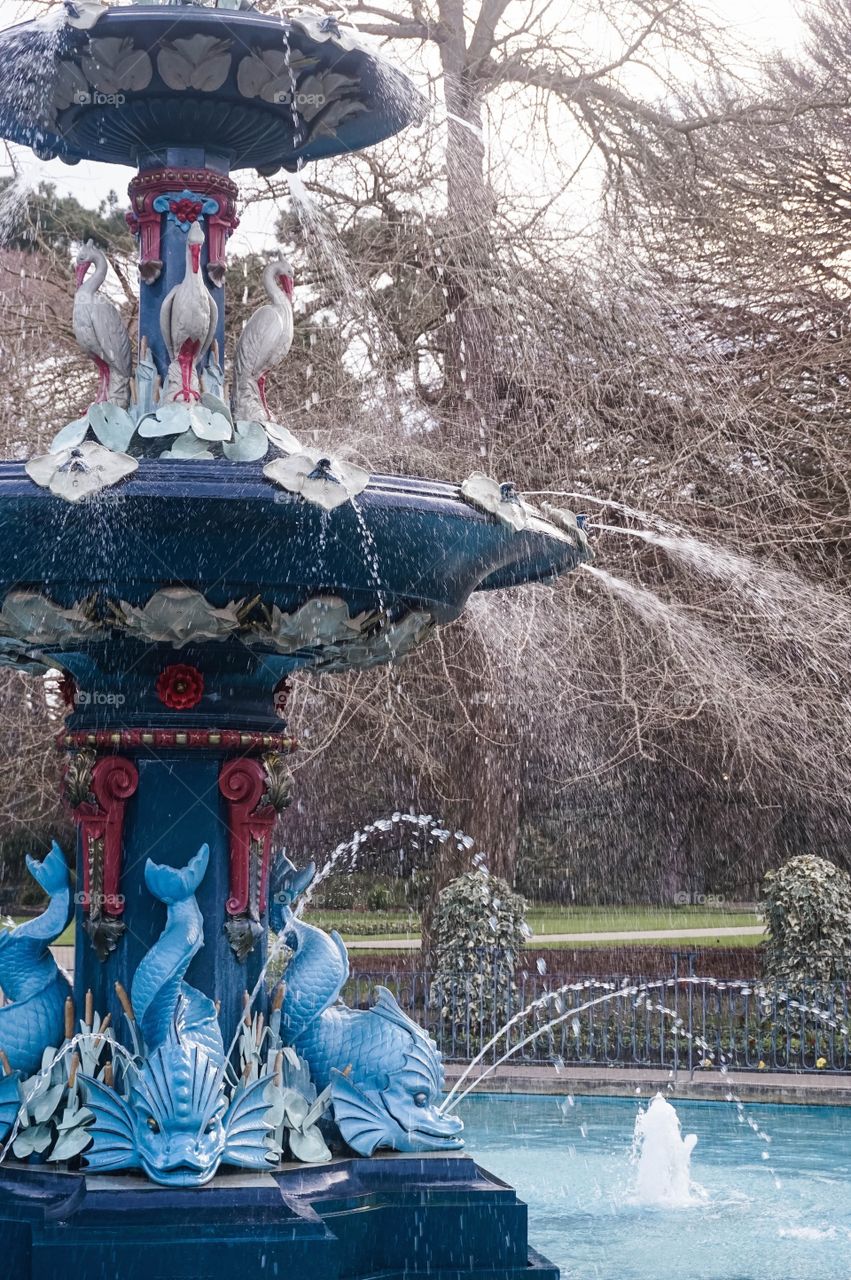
(227, 530)
(405, 556)
(190, 77)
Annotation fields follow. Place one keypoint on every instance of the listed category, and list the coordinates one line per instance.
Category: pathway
(615, 935)
(804, 1088)
(65, 955)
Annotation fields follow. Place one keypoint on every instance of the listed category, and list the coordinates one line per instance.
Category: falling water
(423, 823)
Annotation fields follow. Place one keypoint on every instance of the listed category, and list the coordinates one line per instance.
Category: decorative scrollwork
(98, 793)
(255, 792)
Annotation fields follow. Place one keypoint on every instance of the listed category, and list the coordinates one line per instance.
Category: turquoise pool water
(773, 1211)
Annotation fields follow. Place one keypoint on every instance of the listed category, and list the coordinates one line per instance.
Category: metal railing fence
(678, 1021)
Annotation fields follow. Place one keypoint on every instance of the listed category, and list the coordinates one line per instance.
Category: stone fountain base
(394, 1217)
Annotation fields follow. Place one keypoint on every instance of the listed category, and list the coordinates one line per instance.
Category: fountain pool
(786, 1216)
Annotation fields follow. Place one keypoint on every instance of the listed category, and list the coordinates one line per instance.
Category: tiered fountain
(176, 554)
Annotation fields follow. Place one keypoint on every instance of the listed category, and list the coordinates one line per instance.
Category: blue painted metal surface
(173, 257)
(137, 125)
(230, 532)
(385, 1073)
(403, 1218)
(29, 975)
(174, 1118)
(178, 797)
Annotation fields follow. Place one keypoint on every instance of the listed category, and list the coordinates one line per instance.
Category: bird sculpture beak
(195, 250)
(82, 268)
(286, 283)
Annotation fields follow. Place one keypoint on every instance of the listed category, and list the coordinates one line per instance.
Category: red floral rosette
(185, 210)
(180, 687)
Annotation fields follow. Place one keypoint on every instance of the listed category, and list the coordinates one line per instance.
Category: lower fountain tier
(393, 1217)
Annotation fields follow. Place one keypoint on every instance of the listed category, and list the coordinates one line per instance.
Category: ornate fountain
(176, 555)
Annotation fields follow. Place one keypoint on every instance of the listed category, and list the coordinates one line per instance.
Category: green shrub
(807, 908)
(478, 930)
(379, 898)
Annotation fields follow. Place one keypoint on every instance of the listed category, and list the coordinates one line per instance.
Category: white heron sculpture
(100, 331)
(188, 322)
(263, 343)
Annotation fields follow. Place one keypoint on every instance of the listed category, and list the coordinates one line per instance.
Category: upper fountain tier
(130, 85)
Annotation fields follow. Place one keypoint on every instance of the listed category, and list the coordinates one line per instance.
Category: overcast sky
(764, 23)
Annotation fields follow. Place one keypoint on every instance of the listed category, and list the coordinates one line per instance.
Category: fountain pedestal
(397, 1217)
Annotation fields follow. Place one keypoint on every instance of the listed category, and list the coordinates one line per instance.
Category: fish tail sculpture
(29, 975)
(385, 1073)
(175, 1120)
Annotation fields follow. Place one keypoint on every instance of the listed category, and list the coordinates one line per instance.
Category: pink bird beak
(286, 283)
(195, 250)
(82, 268)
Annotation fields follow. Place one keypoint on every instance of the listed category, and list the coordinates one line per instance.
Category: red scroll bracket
(113, 781)
(243, 783)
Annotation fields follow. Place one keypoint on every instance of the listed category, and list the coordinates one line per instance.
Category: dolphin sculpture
(385, 1072)
(29, 975)
(175, 1120)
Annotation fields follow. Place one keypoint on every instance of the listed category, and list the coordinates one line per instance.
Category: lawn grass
(369, 926)
(366, 926)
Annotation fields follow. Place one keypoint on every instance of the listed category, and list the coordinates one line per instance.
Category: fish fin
(154, 1088)
(52, 872)
(247, 1127)
(386, 1006)
(422, 1068)
(113, 1141)
(176, 884)
(195, 1020)
(362, 1123)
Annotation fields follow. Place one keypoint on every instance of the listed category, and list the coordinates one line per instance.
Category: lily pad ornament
(83, 14)
(282, 438)
(564, 519)
(167, 420)
(387, 644)
(217, 405)
(72, 434)
(77, 473)
(112, 425)
(250, 443)
(26, 615)
(208, 425)
(326, 482)
(500, 500)
(321, 621)
(187, 448)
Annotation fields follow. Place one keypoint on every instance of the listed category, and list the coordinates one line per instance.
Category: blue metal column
(203, 174)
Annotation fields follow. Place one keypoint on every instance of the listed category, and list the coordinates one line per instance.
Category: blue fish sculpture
(385, 1072)
(29, 975)
(175, 1120)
